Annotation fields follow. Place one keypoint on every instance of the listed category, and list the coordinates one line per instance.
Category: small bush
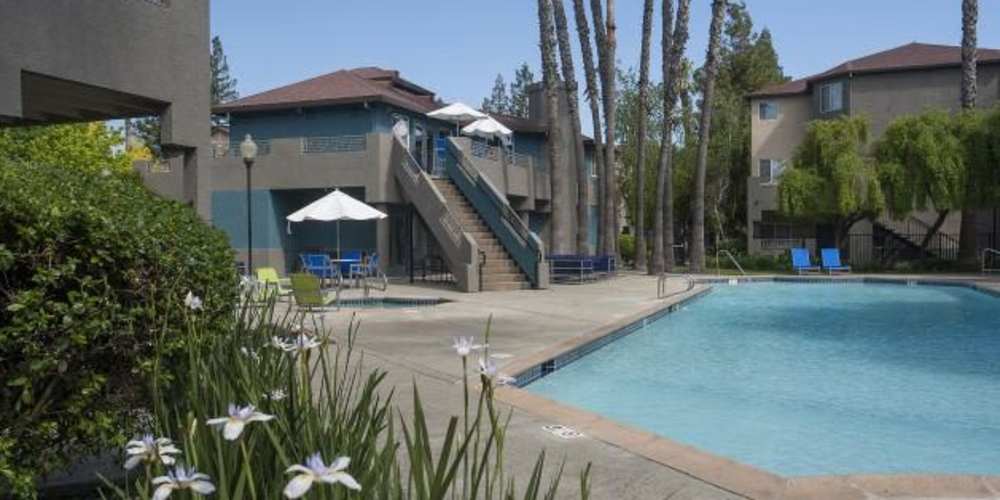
(626, 247)
(93, 267)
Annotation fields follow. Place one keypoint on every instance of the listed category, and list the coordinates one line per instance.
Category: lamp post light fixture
(248, 150)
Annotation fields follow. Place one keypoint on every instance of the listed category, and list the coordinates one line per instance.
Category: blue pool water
(805, 379)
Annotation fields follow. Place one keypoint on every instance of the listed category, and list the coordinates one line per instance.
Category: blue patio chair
(350, 269)
(319, 265)
(831, 261)
(372, 273)
(801, 262)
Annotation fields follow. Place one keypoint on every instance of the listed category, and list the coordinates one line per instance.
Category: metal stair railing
(521, 243)
(727, 253)
(990, 257)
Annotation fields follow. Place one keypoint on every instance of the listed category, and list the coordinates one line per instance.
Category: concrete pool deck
(532, 326)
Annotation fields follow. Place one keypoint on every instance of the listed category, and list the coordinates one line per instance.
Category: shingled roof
(340, 87)
(905, 57)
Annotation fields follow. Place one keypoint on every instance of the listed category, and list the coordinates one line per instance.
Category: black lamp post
(248, 149)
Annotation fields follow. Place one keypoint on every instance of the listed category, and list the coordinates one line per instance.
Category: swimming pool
(810, 379)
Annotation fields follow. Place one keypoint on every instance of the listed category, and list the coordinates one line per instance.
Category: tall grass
(323, 400)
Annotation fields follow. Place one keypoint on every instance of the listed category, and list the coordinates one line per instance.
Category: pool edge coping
(727, 474)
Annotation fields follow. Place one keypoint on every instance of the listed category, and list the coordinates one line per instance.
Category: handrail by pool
(727, 253)
(661, 285)
(986, 252)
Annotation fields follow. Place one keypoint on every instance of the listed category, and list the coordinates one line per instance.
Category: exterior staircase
(910, 232)
(499, 271)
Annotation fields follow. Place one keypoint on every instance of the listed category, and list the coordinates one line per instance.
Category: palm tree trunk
(640, 160)
(708, 93)
(673, 43)
(583, 32)
(573, 105)
(562, 216)
(604, 32)
(967, 233)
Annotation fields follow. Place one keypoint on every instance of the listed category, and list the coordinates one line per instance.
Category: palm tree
(697, 260)
(604, 33)
(640, 160)
(970, 16)
(573, 104)
(561, 218)
(673, 44)
(583, 32)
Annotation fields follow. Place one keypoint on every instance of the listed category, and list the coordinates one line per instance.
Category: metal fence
(880, 248)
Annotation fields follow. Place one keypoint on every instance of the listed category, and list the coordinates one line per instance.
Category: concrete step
(500, 266)
(495, 277)
(503, 286)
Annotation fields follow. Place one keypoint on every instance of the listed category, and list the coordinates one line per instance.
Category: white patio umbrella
(488, 128)
(335, 206)
(457, 113)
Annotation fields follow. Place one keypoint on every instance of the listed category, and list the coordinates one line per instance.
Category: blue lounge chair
(605, 264)
(831, 261)
(319, 265)
(801, 262)
(571, 267)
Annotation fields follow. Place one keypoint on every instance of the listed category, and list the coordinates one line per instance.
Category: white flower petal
(260, 417)
(133, 461)
(298, 468)
(163, 491)
(202, 487)
(345, 479)
(162, 480)
(233, 429)
(298, 486)
(340, 463)
(167, 459)
(217, 421)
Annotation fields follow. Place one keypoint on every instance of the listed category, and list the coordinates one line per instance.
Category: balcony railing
(263, 147)
(334, 144)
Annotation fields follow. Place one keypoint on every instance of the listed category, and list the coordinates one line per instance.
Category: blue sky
(456, 47)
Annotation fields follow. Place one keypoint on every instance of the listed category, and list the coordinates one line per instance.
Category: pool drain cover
(562, 431)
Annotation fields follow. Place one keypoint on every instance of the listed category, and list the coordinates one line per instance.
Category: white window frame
(760, 110)
(827, 93)
(774, 170)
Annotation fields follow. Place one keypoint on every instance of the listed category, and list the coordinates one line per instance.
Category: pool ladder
(661, 284)
(727, 253)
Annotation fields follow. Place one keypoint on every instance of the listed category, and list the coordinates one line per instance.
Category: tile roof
(343, 86)
(905, 57)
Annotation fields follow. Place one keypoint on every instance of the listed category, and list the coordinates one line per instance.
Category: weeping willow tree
(921, 164)
(979, 133)
(832, 180)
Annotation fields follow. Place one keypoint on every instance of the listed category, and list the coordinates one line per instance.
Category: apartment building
(882, 86)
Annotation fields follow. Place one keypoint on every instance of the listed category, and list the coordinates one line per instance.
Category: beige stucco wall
(776, 140)
(883, 96)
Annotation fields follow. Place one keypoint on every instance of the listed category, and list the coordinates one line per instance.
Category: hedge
(93, 272)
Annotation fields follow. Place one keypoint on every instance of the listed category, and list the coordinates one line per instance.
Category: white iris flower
(150, 450)
(465, 345)
(192, 301)
(315, 470)
(239, 417)
(182, 479)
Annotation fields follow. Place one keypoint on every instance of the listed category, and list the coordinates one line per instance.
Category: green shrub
(93, 268)
(626, 247)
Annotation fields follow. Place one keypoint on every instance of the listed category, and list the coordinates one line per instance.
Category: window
(831, 97)
(770, 170)
(767, 110)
